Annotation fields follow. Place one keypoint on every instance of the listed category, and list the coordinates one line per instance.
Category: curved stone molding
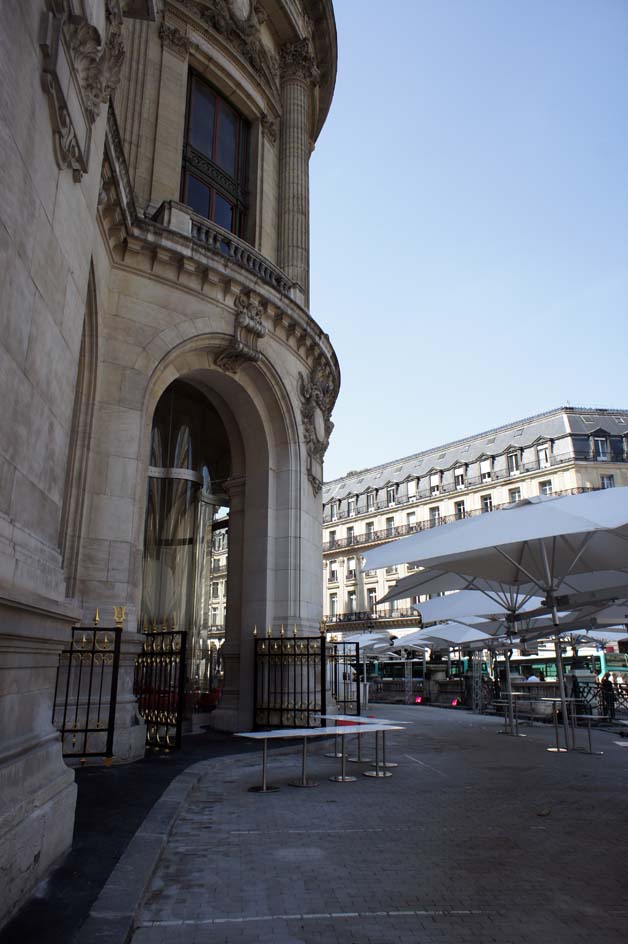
(297, 62)
(248, 330)
(317, 397)
(238, 21)
(80, 73)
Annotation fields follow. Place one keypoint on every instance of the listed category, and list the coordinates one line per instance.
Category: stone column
(298, 74)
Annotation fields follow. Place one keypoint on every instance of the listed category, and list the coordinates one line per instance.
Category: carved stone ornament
(175, 39)
(297, 62)
(80, 72)
(269, 128)
(238, 21)
(248, 330)
(317, 399)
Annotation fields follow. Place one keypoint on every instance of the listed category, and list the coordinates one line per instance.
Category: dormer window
(514, 463)
(351, 502)
(333, 511)
(215, 158)
(391, 495)
(435, 484)
(486, 470)
(370, 501)
(459, 477)
(601, 451)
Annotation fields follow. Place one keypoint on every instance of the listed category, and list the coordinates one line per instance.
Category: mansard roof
(520, 434)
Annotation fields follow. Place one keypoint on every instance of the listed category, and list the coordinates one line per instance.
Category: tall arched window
(215, 158)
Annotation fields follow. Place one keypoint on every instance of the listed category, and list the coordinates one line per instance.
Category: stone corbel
(80, 72)
(249, 329)
(269, 128)
(316, 393)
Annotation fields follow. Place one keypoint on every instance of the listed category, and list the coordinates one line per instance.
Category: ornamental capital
(297, 62)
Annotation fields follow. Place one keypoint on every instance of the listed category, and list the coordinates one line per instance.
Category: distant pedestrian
(532, 677)
(608, 695)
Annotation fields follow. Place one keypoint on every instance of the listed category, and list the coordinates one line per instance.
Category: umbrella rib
(587, 539)
(520, 567)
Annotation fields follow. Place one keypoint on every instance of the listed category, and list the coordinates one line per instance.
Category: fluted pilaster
(299, 73)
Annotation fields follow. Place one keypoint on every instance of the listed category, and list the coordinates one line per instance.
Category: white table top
(361, 719)
(309, 732)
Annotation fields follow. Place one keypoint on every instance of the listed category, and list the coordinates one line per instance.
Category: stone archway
(264, 497)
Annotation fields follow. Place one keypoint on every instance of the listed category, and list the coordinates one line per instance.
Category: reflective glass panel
(197, 196)
(202, 112)
(227, 136)
(223, 212)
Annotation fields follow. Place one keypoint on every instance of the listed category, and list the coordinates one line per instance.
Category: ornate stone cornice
(175, 39)
(72, 47)
(248, 330)
(317, 395)
(297, 62)
(238, 21)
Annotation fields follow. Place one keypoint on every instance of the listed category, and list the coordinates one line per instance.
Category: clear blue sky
(470, 218)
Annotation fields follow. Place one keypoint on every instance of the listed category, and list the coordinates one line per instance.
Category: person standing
(608, 695)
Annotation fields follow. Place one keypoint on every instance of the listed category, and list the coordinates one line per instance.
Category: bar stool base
(388, 763)
(376, 773)
(300, 783)
(360, 760)
(340, 779)
(263, 789)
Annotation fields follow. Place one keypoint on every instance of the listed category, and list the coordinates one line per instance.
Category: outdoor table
(289, 733)
(588, 719)
(367, 723)
(377, 728)
(265, 736)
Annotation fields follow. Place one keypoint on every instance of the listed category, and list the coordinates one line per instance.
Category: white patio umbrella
(465, 603)
(539, 543)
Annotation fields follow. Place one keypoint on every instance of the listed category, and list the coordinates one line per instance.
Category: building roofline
(600, 411)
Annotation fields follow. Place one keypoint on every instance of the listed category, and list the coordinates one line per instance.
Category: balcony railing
(475, 481)
(389, 534)
(182, 219)
(361, 616)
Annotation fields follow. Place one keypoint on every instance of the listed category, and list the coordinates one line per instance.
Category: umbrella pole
(511, 720)
(561, 681)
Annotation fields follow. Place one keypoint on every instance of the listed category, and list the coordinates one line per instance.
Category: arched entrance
(186, 510)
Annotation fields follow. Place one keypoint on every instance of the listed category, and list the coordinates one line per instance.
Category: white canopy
(468, 603)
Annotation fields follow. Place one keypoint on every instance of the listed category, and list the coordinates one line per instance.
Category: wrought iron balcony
(399, 531)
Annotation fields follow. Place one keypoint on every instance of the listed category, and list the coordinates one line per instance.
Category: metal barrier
(293, 674)
(160, 688)
(84, 706)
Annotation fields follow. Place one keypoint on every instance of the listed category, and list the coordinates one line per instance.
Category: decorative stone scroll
(317, 399)
(269, 128)
(249, 329)
(81, 70)
(297, 62)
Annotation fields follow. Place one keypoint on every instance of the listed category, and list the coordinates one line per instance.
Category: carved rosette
(72, 46)
(317, 400)
(297, 62)
(249, 329)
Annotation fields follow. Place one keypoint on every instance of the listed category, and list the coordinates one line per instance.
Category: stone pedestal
(37, 789)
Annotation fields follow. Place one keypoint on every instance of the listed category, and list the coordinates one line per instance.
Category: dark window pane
(244, 154)
(197, 196)
(227, 134)
(223, 212)
(202, 109)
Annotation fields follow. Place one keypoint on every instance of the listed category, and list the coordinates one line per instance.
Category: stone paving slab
(476, 837)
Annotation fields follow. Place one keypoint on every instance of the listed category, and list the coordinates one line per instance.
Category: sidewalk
(112, 804)
(476, 837)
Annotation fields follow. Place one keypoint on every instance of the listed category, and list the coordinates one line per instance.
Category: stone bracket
(316, 393)
(248, 330)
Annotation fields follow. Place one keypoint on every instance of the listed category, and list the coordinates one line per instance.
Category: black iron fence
(160, 688)
(293, 675)
(84, 707)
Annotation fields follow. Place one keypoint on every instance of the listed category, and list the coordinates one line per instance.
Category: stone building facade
(555, 453)
(159, 365)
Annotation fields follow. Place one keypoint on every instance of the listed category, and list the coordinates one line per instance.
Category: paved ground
(476, 837)
(112, 803)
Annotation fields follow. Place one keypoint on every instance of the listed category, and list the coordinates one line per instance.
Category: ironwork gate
(293, 674)
(160, 688)
(344, 673)
(86, 690)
